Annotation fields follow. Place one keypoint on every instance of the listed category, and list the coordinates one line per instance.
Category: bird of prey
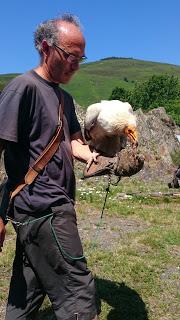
(108, 125)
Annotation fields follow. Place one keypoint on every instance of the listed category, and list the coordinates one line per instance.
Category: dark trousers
(49, 260)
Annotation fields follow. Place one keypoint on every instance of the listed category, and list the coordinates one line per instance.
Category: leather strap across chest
(46, 156)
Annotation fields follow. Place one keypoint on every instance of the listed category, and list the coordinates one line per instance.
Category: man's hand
(82, 151)
(2, 233)
(93, 158)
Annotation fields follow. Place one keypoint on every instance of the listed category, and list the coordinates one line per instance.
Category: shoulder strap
(46, 156)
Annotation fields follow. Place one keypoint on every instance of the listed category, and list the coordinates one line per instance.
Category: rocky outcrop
(157, 142)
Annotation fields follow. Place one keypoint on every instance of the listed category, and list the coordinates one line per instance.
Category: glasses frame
(70, 57)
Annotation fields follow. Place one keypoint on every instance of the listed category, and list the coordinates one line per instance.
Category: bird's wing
(90, 120)
(92, 113)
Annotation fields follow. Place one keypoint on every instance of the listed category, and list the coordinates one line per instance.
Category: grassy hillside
(5, 78)
(96, 80)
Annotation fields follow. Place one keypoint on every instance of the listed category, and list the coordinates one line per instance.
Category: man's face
(64, 58)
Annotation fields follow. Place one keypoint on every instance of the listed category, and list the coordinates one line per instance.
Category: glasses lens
(83, 59)
(73, 59)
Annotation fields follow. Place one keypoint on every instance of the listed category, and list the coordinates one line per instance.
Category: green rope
(99, 225)
(100, 222)
(21, 224)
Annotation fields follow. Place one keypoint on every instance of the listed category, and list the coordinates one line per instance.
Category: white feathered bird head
(108, 123)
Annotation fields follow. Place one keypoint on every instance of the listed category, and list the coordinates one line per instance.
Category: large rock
(157, 141)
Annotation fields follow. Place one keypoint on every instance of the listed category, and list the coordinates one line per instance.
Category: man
(49, 258)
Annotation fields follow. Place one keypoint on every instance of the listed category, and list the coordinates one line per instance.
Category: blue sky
(141, 29)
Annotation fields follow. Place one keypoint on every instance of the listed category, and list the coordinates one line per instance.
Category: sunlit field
(133, 251)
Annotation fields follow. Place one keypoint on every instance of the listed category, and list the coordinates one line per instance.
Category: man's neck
(43, 73)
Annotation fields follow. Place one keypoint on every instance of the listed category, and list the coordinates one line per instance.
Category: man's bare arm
(81, 150)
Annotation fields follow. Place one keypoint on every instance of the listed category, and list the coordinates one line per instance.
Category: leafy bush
(158, 91)
(173, 109)
(120, 94)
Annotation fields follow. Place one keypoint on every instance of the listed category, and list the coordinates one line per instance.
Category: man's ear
(45, 48)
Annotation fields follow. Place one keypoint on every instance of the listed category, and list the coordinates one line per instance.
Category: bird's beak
(132, 135)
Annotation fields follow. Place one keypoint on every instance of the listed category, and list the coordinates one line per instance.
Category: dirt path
(106, 233)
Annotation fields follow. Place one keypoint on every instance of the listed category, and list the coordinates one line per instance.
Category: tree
(155, 92)
(119, 94)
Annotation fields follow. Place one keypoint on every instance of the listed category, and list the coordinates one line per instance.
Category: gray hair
(49, 31)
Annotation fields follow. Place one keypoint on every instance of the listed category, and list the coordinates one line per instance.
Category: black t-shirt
(29, 108)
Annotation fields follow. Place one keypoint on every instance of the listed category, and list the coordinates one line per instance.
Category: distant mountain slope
(96, 80)
(5, 78)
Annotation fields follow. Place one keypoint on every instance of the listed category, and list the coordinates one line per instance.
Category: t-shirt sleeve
(73, 123)
(9, 111)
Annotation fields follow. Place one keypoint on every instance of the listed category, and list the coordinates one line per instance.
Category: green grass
(133, 253)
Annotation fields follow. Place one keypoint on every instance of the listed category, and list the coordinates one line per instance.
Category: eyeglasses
(71, 58)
